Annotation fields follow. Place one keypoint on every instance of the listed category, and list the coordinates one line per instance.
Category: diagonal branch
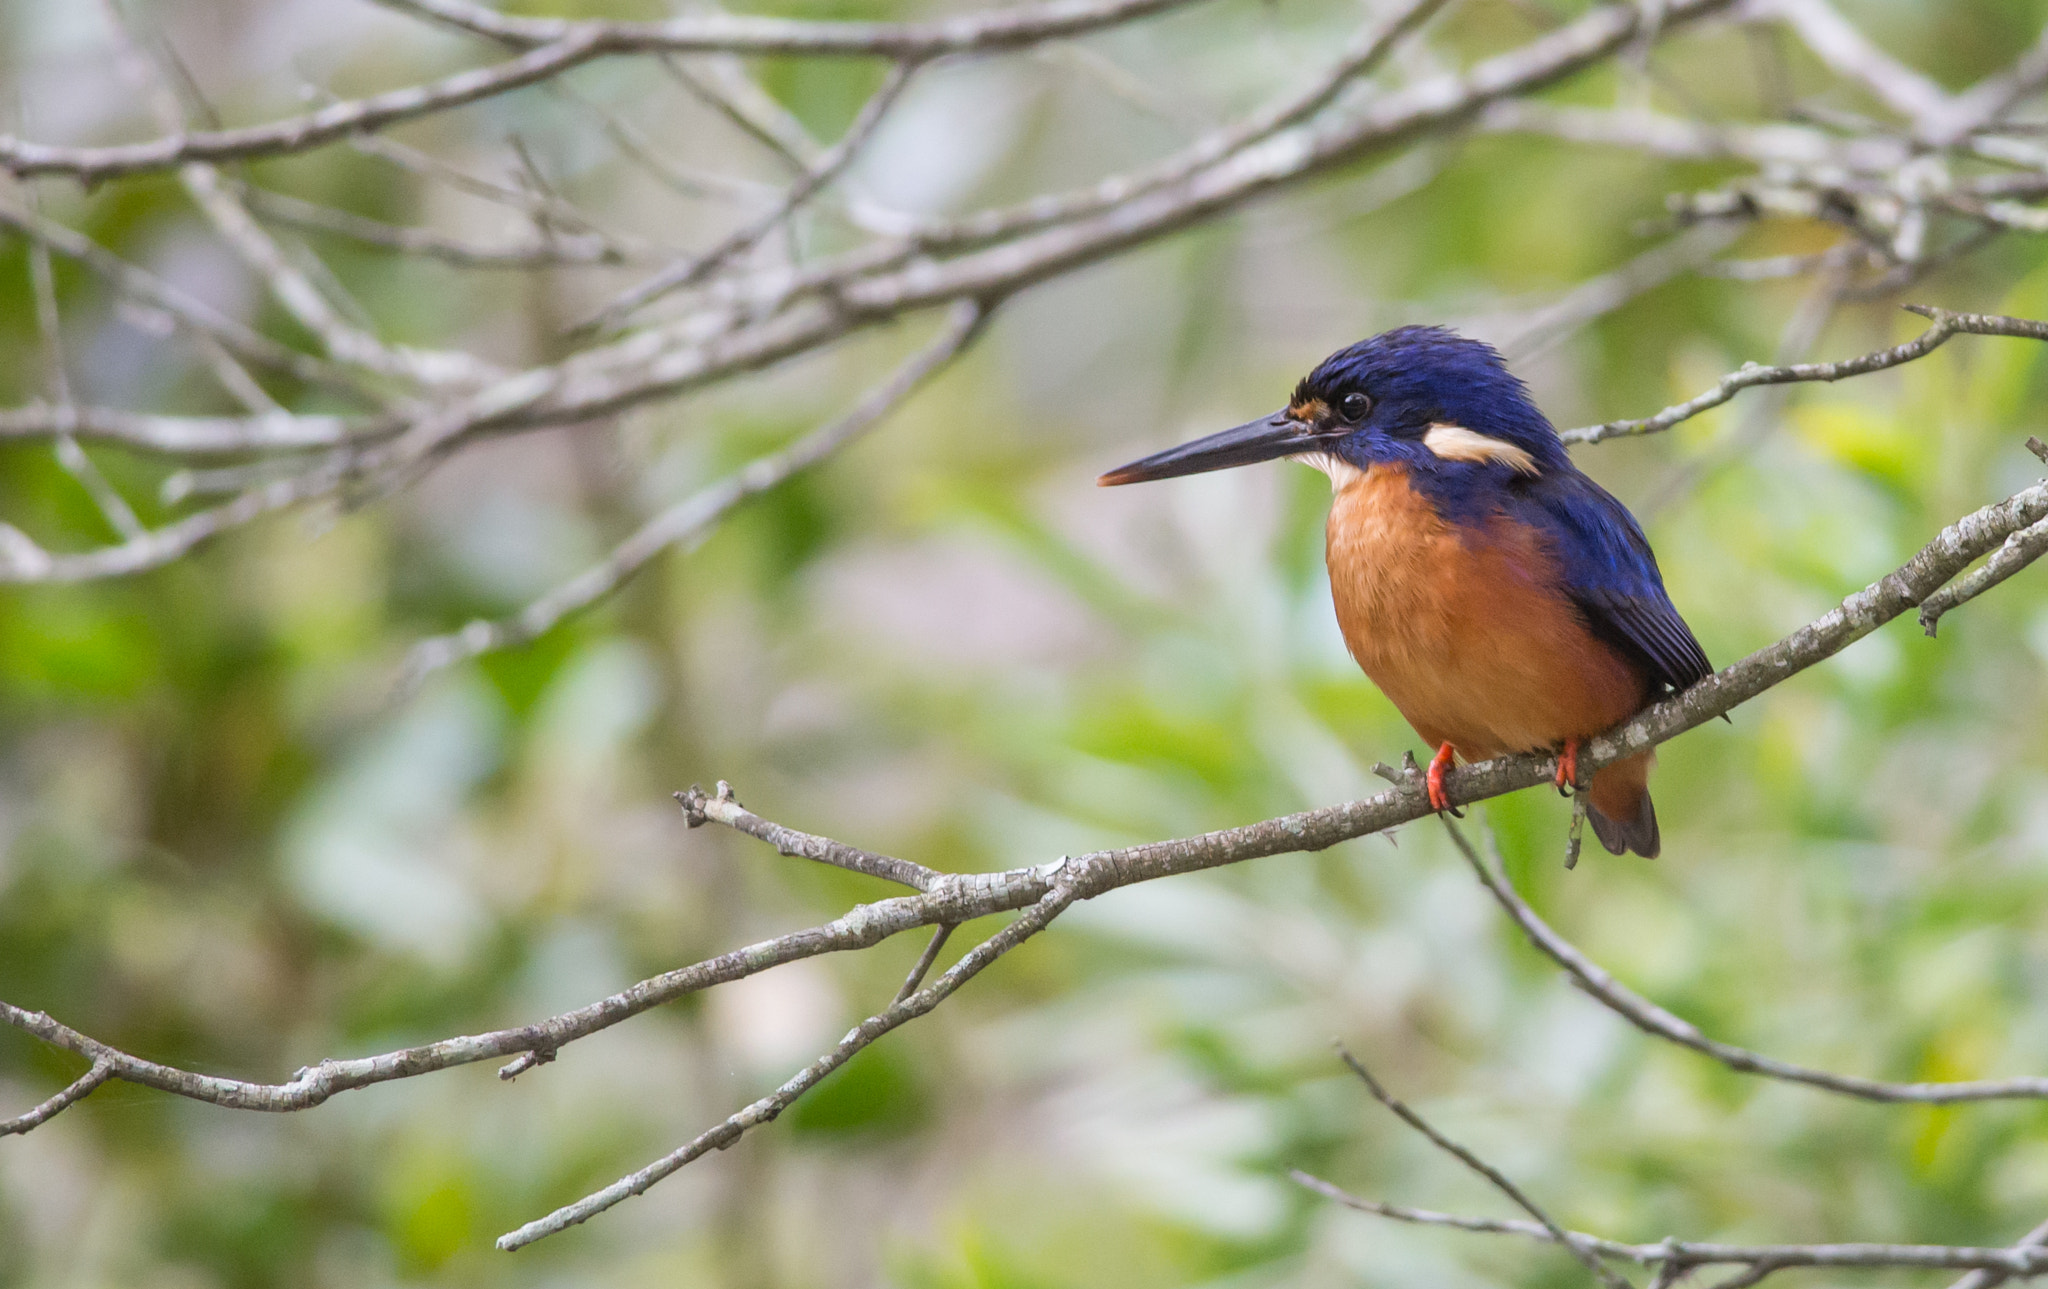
(219, 201)
(91, 165)
(1946, 326)
(700, 808)
(1992, 1277)
(948, 899)
(1587, 1254)
(1029, 923)
(1359, 59)
(1653, 1020)
(79, 1089)
(828, 166)
(189, 312)
(113, 507)
(1003, 28)
(2024, 1259)
(689, 521)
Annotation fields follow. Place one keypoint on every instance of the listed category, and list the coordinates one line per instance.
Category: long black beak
(1268, 437)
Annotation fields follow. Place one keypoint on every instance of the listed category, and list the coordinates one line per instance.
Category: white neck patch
(1456, 443)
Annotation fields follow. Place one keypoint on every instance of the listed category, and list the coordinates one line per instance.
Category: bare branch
(1842, 46)
(729, 33)
(1365, 52)
(1653, 1020)
(828, 166)
(777, 314)
(922, 967)
(1991, 1278)
(186, 311)
(559, 250)
(191, 435)
(80, 1088)
(720, 82)
(2020, 550)
(2021, 1260)
(688, 521)
(573, 44)
(21, 560)
(720, 807)
(92, 165)
(1029, 923)
(1586, 1254)
(344, 341)
(1946, 326)
(112, 506)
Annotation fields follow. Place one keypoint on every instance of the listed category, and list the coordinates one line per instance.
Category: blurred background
(226, 843)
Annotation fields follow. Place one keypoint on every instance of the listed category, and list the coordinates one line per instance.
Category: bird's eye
(1354, 407)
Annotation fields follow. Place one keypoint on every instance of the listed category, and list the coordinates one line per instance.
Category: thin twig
(1946, 326)
(80, 1088)
(564, 249)
(1001, 28)
(301, 133)
(922, 967)
(2020, 550)
(2021, 1260)
(1990, 1277)
(700, 807)
(822, 171)
(186, 311)
(1029, 923)
(217, 199)
(114, 508)
(1653, 1020)
(1588, 1255)
(191, 435)
(689, 520)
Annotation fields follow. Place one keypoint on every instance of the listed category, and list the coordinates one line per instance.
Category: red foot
(1438, 765)
(1568, 767)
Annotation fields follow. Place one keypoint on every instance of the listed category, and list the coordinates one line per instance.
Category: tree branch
(80, 1088)
(1587, 1254)
(1653, 1020)
(2025, 1259)
(688, 521)
(1946, 326)
(1029, 923)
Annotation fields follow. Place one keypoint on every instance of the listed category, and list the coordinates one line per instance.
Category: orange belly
(1464, 629)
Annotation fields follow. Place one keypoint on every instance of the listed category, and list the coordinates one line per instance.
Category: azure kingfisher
(1500, 598)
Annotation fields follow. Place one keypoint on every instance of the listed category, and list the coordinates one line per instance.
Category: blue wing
(1610, 574)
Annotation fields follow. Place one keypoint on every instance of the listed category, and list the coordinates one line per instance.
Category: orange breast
(1463, 628)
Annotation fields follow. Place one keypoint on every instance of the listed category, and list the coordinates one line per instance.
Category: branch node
(525, 1061)
(692, 803)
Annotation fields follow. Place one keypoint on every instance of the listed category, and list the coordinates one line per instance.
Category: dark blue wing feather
(1610, 574)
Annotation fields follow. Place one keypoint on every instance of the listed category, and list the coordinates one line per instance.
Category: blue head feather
(1417, 377)
(1421, 376)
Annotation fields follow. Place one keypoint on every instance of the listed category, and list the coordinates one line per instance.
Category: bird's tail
(1618, 804)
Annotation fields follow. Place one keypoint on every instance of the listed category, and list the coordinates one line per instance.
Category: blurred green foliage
(223, 845)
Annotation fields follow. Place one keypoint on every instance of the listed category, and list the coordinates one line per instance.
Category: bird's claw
(1567, 777)
(1439, 796)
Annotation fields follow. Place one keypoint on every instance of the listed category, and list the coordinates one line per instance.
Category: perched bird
(1503, 600)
